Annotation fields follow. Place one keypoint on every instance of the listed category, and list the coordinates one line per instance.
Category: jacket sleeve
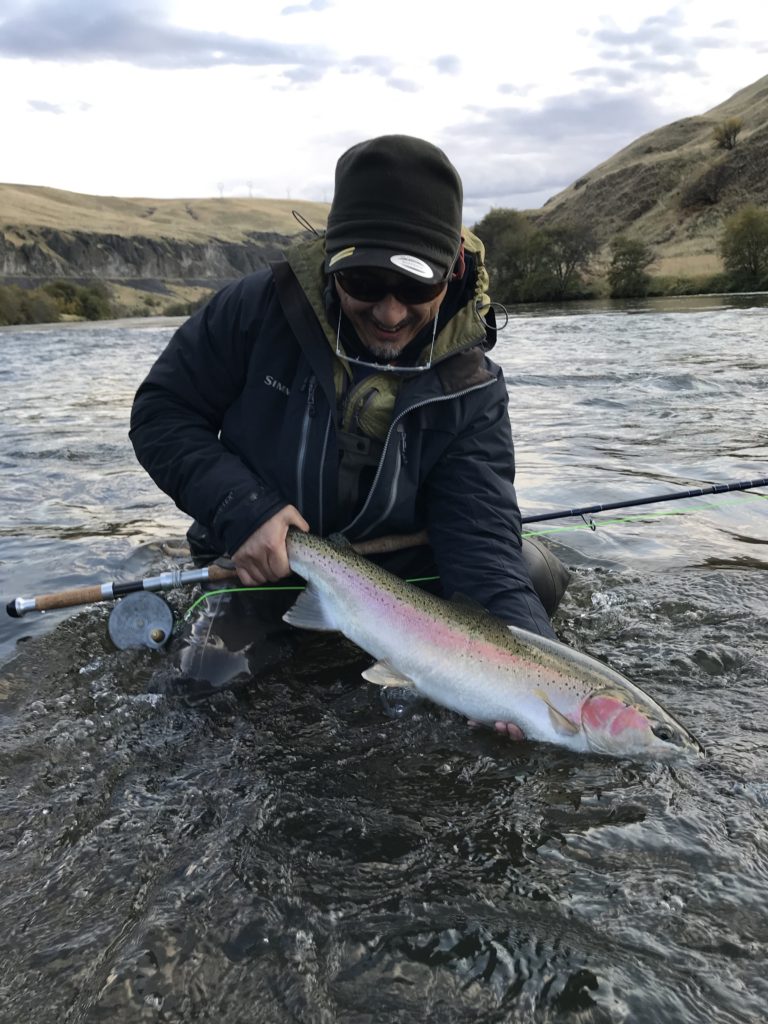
(474, 520)
(178, 411)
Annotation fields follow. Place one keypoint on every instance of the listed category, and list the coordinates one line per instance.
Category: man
(347, 389)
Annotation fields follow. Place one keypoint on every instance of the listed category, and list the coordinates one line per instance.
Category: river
(282, 851)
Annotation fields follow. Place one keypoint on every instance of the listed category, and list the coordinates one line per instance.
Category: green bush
(187, 308)
(627, 275)
(531, 264)
(744, 247)
(26, 306)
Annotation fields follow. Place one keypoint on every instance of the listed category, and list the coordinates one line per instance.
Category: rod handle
(63, 599)
(221, 572)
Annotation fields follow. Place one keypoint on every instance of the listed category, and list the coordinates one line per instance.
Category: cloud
(403, 84)
(532, 154)
(448, 64)
(382, 66)
(123, 31)
(312, 5)
(43, 107)
(591, 113)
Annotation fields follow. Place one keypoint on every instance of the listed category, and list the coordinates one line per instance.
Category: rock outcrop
(42, 253)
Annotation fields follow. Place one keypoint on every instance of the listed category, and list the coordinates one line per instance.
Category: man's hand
(514, 732)
(263, 557)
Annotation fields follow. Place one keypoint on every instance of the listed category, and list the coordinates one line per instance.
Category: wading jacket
(249, 409)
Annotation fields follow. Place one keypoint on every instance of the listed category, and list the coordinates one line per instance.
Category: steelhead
(467, 660)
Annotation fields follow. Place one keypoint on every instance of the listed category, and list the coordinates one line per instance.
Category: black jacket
(241, 415)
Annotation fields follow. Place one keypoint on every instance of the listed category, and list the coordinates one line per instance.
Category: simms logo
(272, 383)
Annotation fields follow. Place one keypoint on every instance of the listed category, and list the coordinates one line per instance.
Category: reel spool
(142, 619)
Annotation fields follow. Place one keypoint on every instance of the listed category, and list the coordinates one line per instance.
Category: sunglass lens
(366, 286)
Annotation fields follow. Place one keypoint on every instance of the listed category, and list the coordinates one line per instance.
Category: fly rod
(183, 577)
(696, 492)
(174, 578)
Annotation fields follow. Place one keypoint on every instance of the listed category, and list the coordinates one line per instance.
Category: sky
(193, 98)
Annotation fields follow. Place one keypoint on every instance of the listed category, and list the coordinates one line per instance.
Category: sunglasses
(369, 286)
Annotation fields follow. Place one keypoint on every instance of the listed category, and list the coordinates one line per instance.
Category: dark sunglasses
(368, 286)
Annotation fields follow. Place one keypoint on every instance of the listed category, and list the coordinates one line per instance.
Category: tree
(530, 264)
(513, 250)
(744, 245)
(629, 260)
(725, 134)
(567, 251)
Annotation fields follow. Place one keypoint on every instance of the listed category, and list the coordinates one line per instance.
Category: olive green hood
(368, 406)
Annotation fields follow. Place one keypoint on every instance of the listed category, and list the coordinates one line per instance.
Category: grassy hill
(189, 220)
(672, 188)
(155, 255)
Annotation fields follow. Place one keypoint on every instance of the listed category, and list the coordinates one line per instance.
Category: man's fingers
(509, 729)
(277, 563)
(295, 518)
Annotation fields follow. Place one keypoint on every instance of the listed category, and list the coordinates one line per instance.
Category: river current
(282, 851)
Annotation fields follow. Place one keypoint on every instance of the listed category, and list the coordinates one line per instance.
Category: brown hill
(673, 188)
(191, 220)
(175, 246)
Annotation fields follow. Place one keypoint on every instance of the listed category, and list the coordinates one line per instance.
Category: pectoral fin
(383, 674)
(563, 726)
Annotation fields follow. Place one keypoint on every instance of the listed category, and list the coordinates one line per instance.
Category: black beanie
(397, 205)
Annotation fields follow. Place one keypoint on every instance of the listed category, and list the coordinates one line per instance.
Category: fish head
(618, 724)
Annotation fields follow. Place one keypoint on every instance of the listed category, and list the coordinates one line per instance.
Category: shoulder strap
(302, 320)
(295, 304)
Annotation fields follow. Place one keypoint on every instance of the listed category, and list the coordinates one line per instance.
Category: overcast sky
(236, 97)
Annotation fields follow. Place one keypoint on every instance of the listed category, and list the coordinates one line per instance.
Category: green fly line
(587, 524)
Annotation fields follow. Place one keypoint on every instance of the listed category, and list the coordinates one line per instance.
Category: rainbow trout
(471, 662)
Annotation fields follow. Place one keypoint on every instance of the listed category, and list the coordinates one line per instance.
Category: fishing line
(592, 524)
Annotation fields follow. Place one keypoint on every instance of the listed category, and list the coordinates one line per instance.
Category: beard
(387, 351)
(383, 351)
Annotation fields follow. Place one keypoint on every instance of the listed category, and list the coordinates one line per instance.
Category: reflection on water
(282, 851)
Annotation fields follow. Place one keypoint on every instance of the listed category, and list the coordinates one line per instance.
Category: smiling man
(347, 389)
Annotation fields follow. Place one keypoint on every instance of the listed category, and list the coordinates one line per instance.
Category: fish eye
(664, 733)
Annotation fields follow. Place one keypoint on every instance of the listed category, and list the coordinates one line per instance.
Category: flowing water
(282, 851)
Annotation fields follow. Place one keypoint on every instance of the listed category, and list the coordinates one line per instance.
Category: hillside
(672, 188)
(177, 246)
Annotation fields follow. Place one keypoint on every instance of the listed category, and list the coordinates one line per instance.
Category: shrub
(744, 246)
(26, 306)
(627, 275)
(724, 135)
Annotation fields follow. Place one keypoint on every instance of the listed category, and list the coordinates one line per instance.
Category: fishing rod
(174, 578)
(696, 492)
(182, 577)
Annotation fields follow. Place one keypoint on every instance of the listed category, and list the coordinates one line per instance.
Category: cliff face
(38, 253)
(143, 246)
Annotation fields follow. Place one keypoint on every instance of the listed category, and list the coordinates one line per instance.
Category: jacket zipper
(309, 386)
(401, 452)
(321, 471)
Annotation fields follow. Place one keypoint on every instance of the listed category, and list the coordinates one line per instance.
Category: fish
(463, 658)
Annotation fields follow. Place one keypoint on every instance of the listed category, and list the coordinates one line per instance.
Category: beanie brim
(397, 261)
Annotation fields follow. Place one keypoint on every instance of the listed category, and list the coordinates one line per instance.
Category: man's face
(395, 308)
